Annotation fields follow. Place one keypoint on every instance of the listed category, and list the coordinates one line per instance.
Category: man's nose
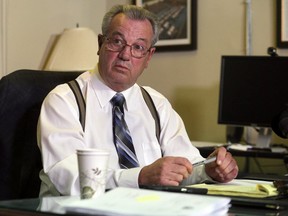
(125, 53)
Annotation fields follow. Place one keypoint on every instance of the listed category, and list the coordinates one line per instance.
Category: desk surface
(207, 148)
(47, 206)
(206, 151)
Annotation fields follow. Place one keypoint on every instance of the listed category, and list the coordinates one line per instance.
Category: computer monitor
(253, 91)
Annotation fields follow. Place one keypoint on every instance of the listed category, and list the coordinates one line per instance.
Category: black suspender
(153, 111)
(80, 101)
(82, 106)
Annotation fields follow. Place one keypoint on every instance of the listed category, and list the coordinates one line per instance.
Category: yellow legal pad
(242, 188)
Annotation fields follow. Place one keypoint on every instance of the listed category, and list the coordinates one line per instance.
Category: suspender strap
(153, 111)
(82, 106)
(80, 101)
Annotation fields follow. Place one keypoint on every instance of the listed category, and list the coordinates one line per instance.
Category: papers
(206, 144)
(239, 147)
(243, 188)
(142, 202)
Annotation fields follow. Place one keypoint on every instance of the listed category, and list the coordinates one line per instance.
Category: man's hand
(166, 171)
(225, 168)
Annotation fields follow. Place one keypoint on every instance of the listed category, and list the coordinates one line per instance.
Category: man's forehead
(138, 29)
(122, 20)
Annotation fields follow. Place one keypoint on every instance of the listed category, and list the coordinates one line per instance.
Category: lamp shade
(76, 50)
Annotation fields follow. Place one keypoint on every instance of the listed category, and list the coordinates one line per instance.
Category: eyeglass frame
(124, 46)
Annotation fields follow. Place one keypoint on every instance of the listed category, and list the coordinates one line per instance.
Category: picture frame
(178, 23)
(282, 23)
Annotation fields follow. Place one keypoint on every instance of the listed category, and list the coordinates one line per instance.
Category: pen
(208, 160)
(178, 189)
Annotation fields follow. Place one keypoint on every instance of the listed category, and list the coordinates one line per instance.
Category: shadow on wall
(198, 108)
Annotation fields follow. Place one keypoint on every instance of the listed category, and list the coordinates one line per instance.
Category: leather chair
(21, 96)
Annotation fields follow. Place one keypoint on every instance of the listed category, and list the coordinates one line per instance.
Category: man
(125, 49)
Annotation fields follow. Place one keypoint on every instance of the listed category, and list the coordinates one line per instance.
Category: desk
(205, 151)
(207, 148)
(33, 207)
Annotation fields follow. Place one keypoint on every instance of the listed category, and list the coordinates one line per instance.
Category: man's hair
(133, 12)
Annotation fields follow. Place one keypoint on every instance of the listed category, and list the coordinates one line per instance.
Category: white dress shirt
(60, 134)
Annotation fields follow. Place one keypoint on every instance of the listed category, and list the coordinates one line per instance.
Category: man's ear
(100, 42)
(150, 54)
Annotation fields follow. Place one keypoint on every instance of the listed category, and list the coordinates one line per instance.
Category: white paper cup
(92, 166)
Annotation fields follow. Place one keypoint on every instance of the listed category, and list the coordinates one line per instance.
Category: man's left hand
(225, 168)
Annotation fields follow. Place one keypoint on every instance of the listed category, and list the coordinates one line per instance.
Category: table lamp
(75, 50)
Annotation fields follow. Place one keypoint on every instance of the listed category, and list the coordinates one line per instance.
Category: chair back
(21, 95)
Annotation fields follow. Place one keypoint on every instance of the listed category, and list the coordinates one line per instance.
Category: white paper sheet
(140, 202)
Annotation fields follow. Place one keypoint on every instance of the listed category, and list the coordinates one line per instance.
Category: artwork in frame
(282, 23)
(178, 23)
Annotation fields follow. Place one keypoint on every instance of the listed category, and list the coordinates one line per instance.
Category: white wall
(32, 24)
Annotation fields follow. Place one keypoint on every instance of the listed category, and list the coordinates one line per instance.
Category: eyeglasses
(117, 44)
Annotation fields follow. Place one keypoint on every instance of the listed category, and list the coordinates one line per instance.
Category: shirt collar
(105, 94)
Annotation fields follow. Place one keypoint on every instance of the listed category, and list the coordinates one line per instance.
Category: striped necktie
(122, 138)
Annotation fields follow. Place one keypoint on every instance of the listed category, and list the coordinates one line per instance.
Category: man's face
(120, 70)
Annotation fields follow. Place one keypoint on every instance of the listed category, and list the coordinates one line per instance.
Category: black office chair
(21, 96)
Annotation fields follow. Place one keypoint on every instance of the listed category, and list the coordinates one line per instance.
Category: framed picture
(282, 23)
(178, 23)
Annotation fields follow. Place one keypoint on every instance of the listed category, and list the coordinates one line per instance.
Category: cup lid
(92, 151)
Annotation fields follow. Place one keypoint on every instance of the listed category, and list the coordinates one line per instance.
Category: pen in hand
(208, 160)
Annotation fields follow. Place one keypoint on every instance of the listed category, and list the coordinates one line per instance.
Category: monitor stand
(264, 137)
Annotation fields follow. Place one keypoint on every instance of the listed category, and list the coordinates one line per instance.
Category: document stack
(143, 202)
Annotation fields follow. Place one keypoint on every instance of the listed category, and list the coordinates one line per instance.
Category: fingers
(184, 166)
(228, 169)
(166, 171)
(225, 168)
(173, 170)
(221, 154)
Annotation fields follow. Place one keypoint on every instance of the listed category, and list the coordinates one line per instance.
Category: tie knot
(118, 100)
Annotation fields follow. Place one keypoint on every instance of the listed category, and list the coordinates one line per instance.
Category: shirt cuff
(129, 177)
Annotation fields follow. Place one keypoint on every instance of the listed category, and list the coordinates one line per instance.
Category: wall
(31, 26)
(2, 37)
(189, 79)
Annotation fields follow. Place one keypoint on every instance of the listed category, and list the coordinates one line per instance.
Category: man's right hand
(165, 171)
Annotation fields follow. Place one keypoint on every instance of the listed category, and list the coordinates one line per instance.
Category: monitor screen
(253, 90)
